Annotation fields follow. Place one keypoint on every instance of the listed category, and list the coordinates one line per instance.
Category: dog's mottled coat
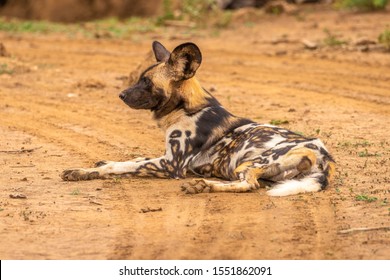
(204, 139)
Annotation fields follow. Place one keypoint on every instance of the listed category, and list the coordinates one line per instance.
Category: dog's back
(283, 159)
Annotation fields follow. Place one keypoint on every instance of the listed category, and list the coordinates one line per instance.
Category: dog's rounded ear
(185, 60)
(160, 52)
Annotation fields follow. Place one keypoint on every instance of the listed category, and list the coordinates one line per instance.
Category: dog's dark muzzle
(138, 99)
(122, 95)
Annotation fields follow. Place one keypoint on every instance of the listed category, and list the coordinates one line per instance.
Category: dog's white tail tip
(292, 187)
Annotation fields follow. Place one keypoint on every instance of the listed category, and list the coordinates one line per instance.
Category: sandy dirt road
(59, 108)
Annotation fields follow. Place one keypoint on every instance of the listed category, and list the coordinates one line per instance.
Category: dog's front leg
(172, 165)
(104, 169)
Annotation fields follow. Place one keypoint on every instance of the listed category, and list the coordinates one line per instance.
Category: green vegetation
(331, 39)
(168, 12)
(275, 10)
(362, 197)
(366, 153)
(384, 38)
(200, 13)
(365, 5)
(112, 27)
(278, 122)
(75, 192)
(363, 143)
(348, 144)
(108, 28)
(4, 69)
(29, 26)
(117, 180)
(196, 10)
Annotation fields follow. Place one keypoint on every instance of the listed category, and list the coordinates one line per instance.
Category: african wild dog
(203, 138)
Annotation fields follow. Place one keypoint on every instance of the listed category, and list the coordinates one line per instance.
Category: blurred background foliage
(195, 10)
(121, 18)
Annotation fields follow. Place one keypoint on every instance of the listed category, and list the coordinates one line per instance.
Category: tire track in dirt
(62, 126)
(206, 224)
(348, 81)
(47, 223)
(318, 221)
(142, 238)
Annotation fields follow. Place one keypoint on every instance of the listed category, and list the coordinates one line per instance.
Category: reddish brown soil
(60, 108)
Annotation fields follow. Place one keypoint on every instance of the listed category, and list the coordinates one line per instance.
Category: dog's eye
(146, 81)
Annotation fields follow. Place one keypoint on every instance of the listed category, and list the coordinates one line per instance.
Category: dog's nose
(122, 95)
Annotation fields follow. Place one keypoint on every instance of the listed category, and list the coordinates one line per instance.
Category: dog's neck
(194, 96)
(188, 99)
(193, 108)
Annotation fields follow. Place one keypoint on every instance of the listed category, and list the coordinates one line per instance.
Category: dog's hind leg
(206, 186)
(304, 170)
(246, 173)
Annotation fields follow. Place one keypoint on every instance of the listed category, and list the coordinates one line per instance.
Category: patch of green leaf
(28, 26)
(75, 192)
(349, 144)
(4, 69)
(366, 153)
(117, 180)
(331, 40)
(363, 143)
(362, 5)
(275, 10)
(278, 122)
(366, 198)
(384, 38)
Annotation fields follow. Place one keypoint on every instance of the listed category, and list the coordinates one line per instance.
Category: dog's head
(157, 86)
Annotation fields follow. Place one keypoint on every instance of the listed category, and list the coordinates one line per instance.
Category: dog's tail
(313, 182)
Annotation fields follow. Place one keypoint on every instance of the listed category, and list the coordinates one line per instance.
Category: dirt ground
(60, 108)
